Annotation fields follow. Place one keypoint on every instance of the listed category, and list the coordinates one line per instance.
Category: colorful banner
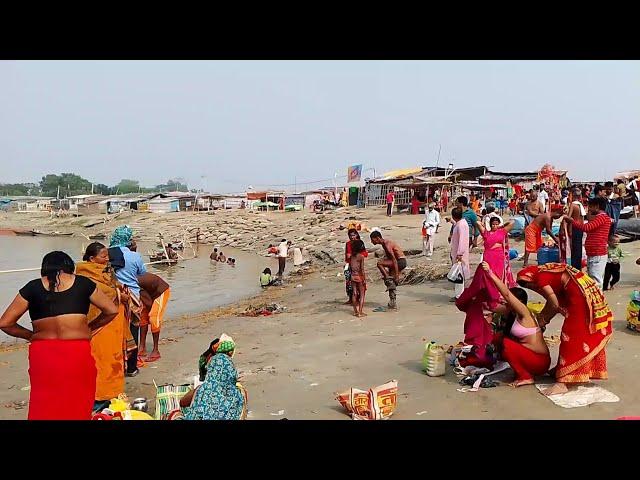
(354, 173)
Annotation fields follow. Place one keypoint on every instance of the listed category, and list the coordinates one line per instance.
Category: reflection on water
(196, 284)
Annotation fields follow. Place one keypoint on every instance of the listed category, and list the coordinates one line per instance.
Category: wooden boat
(161, 257)
(24, 233)
(7, 232)
(98, 236)
(175, 245)
(51, 234)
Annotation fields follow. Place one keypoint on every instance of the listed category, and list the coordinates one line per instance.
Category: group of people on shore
(493, 292)
(89, 326)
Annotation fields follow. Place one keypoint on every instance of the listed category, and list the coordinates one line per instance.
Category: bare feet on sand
(152, 357)
(519, 383)
(555, 389)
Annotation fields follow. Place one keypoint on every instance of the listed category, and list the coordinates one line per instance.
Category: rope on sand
(37, 269)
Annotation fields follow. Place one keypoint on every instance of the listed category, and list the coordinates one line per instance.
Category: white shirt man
(431, 220)
(430, 224)
(283, 251)
(543, 198)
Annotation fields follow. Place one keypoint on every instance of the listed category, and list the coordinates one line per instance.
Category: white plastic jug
(434, 359)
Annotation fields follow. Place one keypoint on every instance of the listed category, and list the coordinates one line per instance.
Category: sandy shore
(296, 361)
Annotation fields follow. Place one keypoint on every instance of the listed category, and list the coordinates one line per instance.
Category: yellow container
(118, 405)
(135, 415)
(535, 307)
(434, 359)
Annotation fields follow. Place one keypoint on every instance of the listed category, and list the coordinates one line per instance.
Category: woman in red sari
(587, 325)
(61, 368)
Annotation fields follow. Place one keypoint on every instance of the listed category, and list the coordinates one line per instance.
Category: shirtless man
(534, 207)
(533, 232)
(154, 294)
(390, 267)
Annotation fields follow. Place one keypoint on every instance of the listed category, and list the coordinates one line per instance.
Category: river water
(197, 284)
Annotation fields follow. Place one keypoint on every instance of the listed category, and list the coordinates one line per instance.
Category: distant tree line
(69, 184)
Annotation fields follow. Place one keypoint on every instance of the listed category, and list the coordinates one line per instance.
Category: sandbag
(378, 403)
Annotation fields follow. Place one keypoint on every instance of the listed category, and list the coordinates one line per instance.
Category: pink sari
(498, 258)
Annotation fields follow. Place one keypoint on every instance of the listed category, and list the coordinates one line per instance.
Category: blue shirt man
(133, 266)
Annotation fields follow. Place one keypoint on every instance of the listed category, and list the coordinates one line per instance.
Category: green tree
(69, 183)
(128, 186)
(13, 189)
(102, 189)
(174, 185)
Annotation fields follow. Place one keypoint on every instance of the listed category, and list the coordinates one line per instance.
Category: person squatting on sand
(391, 266)
(523, 344)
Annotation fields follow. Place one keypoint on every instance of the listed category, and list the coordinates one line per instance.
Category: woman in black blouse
(61, 368)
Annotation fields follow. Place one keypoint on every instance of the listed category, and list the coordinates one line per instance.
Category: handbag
(455, 274)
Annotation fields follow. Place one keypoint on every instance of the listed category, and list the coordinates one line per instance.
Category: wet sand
(296, 361)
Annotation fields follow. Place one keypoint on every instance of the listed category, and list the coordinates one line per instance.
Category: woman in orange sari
(587, 325)
(108, 342)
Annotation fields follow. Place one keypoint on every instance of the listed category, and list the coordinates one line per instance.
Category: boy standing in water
(358, 279)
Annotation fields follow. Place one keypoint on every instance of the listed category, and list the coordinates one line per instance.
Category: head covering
(432, 205)
(226, 344)
(121, 236)
(528, 274)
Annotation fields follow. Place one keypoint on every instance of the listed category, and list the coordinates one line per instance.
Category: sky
(227, 125)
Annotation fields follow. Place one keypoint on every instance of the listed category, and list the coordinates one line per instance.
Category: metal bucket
(140, 404)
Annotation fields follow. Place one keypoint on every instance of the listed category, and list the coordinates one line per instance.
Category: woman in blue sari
(220, 397)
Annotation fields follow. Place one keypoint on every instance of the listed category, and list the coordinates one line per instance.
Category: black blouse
(43, 304)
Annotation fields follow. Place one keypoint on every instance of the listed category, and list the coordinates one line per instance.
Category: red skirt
(63, 380)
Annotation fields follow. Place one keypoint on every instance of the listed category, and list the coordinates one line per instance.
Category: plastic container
(548, 255)
(135, 415)
(434, 359)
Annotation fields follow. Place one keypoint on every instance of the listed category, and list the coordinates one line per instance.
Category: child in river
(358, 279)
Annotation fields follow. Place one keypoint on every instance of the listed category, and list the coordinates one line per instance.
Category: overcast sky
(268, 123)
